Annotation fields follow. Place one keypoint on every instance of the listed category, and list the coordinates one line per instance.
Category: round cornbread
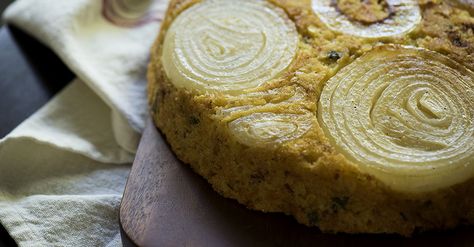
(307, 174)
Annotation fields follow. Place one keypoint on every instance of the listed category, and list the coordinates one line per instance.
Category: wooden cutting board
(166, 204)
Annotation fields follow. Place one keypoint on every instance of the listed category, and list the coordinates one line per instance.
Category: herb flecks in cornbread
(262, 143)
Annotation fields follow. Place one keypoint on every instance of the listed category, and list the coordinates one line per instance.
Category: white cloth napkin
(63, 170)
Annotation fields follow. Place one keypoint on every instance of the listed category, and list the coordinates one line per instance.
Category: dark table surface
(30, 74)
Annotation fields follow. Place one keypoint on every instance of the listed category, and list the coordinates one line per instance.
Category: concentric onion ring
(266, 101)
(405, 16)
(229, 46)
(404, 115)
(268, 128)
(131, 13)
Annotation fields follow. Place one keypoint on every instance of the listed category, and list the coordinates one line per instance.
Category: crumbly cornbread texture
(306, 177)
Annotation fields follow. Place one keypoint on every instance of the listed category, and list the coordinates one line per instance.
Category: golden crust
(305, 177)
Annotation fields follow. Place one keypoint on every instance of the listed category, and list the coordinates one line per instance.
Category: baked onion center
(364, 11)
(369, 18)
(404, 115)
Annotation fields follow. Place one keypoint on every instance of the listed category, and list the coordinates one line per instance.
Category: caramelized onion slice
(131, 13)
(267, 128)
(228, 46)
(404, 115)
(262, 101)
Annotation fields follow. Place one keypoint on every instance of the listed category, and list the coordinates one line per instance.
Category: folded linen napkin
(63, 171)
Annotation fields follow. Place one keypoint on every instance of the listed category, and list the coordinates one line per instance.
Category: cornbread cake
(352, 116)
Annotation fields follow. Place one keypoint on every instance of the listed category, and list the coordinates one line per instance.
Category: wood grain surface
(166, 204)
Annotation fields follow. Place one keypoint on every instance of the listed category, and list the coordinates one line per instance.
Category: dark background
(5, 240)
(3, 5)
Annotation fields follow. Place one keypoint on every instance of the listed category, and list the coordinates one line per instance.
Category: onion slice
(228, 46)
(404, 115)
(268, 118)
(267, 128)
(131, 13)
(405, 16)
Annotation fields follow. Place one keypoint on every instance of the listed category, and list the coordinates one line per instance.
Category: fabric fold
(60, 169)
(78, 121)
(109, 58)
(64, 169)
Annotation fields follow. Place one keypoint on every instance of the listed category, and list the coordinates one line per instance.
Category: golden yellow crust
(305, 177)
